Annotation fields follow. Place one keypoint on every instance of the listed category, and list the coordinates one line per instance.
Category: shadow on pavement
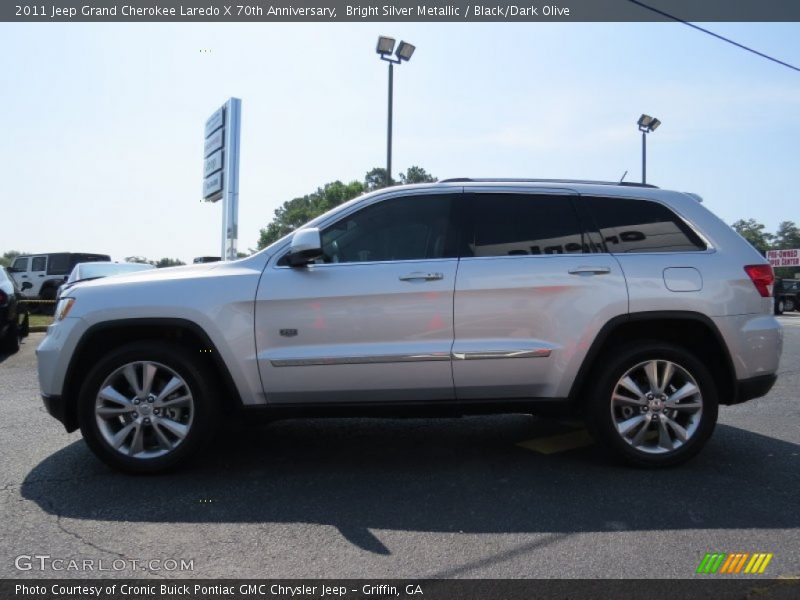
(459, 475)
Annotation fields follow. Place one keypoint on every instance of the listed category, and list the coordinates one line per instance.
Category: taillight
(762, 277)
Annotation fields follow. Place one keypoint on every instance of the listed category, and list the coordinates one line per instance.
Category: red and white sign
(784, 258)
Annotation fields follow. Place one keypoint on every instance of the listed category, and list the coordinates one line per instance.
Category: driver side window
(410, 228)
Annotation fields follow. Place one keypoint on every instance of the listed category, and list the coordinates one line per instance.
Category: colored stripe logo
(739, 562)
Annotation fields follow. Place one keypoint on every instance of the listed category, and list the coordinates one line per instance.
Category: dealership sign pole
(221, 169)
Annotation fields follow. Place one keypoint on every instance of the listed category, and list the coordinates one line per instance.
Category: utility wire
(716, 35)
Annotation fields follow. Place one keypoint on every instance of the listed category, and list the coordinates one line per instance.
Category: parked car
(46, 272)
(787, 295)
(632, 306)
(95, 270)
(13, 314)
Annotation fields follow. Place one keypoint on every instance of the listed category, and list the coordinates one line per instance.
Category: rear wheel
(654, 405)
(147, 407)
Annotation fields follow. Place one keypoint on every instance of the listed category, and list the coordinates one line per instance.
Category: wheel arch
(691, 330)
(103, 337)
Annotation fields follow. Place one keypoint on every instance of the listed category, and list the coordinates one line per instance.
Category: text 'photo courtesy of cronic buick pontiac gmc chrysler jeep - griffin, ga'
(632, 306)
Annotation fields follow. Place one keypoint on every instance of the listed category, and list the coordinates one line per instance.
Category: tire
(10, 342)
(48, 292)
(651, 440)
(164, 428)
(780, 305)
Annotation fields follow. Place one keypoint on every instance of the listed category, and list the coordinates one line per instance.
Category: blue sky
(103, 122)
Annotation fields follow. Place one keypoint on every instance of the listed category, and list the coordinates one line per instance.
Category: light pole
(404, 52)
(647, 124)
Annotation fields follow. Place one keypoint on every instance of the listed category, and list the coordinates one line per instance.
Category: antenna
(623, 176)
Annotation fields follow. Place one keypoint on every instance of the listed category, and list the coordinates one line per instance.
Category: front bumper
(755, 387)
(57, 407)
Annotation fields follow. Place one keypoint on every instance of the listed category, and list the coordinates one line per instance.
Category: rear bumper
(754, 387)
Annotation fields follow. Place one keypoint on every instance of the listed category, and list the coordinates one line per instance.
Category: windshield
(95, 270)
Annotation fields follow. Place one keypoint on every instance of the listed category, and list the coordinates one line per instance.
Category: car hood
(152, 275)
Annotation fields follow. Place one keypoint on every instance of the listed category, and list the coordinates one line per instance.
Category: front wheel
(147, 407)
(654, 405)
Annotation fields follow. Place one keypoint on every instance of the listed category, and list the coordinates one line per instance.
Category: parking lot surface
(503, 496)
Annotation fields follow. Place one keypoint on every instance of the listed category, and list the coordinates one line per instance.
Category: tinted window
(517, 224)
(21, 264)
(641, 226)
(39, 263)
(59, 264)
(411, 228)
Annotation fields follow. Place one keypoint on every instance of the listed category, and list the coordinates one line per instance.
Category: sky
(103, 123)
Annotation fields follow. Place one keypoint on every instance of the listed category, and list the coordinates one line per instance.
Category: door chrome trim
(481, 355)
(359, 360)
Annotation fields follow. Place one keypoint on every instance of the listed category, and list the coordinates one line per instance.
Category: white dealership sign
(784, 258)
(221, 169)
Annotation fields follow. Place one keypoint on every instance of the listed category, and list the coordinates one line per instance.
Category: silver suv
(634, 306)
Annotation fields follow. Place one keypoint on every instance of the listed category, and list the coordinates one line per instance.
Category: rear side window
(641, 226)
(59, 264)
(39, 263)
(525, 224)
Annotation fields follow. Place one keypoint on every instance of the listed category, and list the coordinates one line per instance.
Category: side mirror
(26, 285)
(306, 246)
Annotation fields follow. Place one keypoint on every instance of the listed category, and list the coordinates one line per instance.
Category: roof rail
(517, 180)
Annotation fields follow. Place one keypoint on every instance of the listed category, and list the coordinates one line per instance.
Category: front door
(372, 321)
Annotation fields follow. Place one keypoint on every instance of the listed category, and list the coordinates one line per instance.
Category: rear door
(531, 296)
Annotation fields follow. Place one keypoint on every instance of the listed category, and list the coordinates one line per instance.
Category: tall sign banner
(221, 169)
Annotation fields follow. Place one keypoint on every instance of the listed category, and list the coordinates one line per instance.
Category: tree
(8, 257)
(787, 236)
(417, 175)
(753, 232)
(375, 179)
(168, 262)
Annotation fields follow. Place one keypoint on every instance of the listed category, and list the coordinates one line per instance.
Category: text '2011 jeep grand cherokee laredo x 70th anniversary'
(634, 305)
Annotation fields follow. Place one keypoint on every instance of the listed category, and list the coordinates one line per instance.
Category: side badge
(288, 332)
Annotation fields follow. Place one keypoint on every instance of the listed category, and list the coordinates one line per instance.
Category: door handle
(417, 276)
(590, 271)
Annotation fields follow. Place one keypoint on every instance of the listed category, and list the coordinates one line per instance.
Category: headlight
(62, 308)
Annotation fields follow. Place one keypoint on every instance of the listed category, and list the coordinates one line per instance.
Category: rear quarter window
(628, 225)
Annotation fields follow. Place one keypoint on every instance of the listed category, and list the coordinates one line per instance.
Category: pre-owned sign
(784, 258)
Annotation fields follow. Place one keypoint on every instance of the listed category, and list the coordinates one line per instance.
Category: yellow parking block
(558, 443)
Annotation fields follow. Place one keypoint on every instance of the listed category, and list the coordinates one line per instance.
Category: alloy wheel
(656, 406)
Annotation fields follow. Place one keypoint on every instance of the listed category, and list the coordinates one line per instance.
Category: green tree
(754, 232)
(787, 236)
(375, 179)
(168, 262)
(8, 257)
(417, 175)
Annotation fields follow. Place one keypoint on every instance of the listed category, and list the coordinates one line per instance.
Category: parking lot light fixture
(403, 53)
(647, 124)
(405, 50)
(385, 46)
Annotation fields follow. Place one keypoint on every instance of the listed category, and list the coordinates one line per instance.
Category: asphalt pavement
(501, 496)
